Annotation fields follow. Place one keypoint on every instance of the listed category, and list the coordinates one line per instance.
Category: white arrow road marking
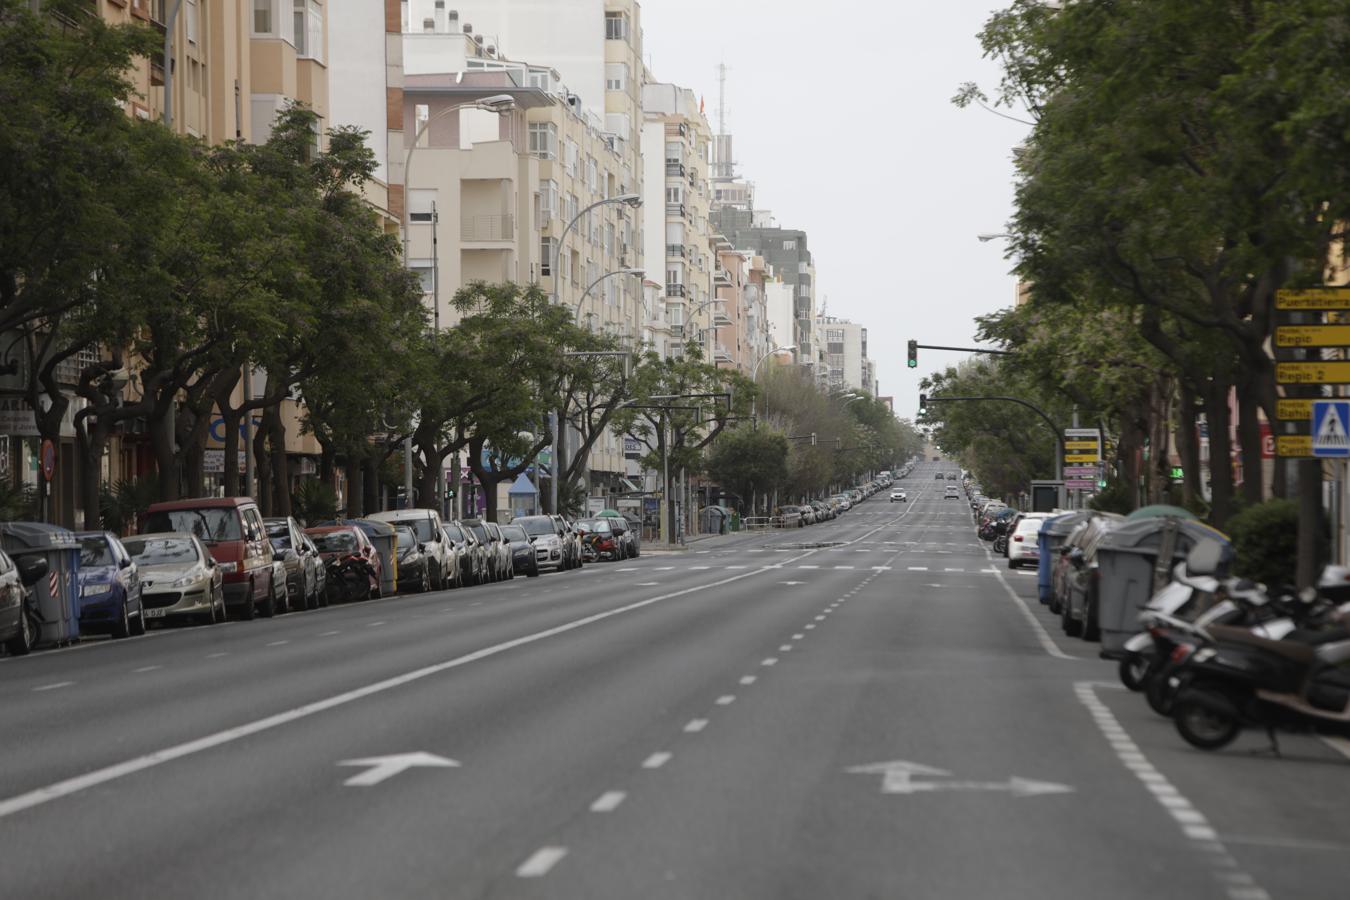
(384, 767)
(898, 778)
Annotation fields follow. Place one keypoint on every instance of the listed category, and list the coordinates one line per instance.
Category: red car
(232, 529)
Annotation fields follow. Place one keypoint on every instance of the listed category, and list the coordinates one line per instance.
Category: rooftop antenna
(721, 98)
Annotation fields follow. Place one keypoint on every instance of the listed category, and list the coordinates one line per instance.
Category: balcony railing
(675, 251)
(677, 331)
(722, 275)
(675, 290)
(487, 228)
(674, 169)
(721, 353)
(675, 209)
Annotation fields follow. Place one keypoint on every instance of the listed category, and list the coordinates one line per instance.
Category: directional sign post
(1310, 322)
(1082, 458)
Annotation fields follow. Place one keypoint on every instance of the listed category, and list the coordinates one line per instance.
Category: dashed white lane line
(810, 626)
(628, 569)
(748, 679)
(728, 699)
(808, 567)
(540, 862)
(646, 584)
(699, 568)
(843, 567)
(147, 668)
(918, 568)
(798, 637)
(694, 726)
(374, 624)
(820, 618)
(278, 643)
(216, 655)
(1238, 885)
(771, 661)
(663, 568)
(953, 570)
(52, 687)
(329, 633)
(738, 567)
(608, 801)
(785, 648)
(656, 760)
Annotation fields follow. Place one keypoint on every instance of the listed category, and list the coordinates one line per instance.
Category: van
(232, 529)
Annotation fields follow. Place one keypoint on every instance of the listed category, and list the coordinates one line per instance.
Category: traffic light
(923, 401)
(913, 354)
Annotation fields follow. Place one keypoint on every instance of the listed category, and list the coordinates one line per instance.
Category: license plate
(155, 613)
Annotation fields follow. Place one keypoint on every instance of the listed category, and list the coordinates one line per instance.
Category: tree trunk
(356, 487)
(1220, 455)
(89, 444)
(194, 469)
(1188, 447)
(371, 486)
(166, 457)
(1249, 439)
(327, 461)
(232, 481)
(281, 466)
(262, 463)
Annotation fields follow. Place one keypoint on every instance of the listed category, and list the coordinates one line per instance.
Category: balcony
(675, 290)
(674, 168)
(676, 209)
(720, 318)
(677, 331)
(487, 228)
(721, 353)
(675, 251)
(722, 276)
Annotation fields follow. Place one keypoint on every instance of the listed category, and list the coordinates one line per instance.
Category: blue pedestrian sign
(1329, 421)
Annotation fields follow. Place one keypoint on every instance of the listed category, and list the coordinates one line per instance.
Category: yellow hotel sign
(1314, 299)
(1081, 458)
(1293, 409)
(1080, 445)
(1312, 336)
(1318, 372)
(1293, 445)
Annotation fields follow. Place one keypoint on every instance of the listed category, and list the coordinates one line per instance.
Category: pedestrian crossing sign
(1329, 421)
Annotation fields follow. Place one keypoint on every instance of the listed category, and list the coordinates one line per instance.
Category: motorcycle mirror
(1308, 594)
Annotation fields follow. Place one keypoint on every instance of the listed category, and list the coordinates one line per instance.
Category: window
(538, 78)
(191, 24)
(570, 157)
(789, 245)
(570, 208)
(546, 246)
(675, 275)
(608, 240)
(425, 274)
(421, 114)
(548, 199)
(675, 194)
(420, 204)
(308, 17)
(263, 18)
(616, 26)
(543, 140)
(674, 152)
(616, 76)
(592, 179)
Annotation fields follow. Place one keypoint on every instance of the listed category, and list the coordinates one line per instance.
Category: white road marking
(728, 699)
(656, 760)
(147, 668)
(953, 570)
(278, 643)
(820, 618)
(748, 679)
(771, 661)
(69, 786)
(608, 801)
(738, 567)
(1192, 822)
(223, 653)
(1339, 744)
(696, 725)
(810, 626)
(798, 637)
(881, 568)
(663, 568)
(539, 864)
(1042, 636)
(52, 687)
(329, 633)
(374, 624)
(843, 567)
(647, 583)
(698, 568)
(918, 568)
(808, 567)
(785, 648)
(382, 768)
(628, 569)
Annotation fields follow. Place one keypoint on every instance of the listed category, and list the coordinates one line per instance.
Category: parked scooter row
(1220, 654)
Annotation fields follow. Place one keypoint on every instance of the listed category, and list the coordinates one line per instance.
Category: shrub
(313, 501)
(1118, 497)
(122, 503)
(1265, 537)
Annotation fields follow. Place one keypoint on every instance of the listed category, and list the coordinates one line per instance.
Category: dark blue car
(110, 588)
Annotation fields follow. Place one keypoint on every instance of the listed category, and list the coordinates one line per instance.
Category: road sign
(1291, 446)
(1313, 299)
(1080, 484)
(1081, 458)
(48, 457)
(1329, 437)
(379, 768)
(1081, 471)
(1313, 372)
(1080, 445)
(1293, 409)
(897, 777)
(1312, 336)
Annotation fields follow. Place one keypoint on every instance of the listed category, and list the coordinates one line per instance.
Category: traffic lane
(540, 732)
(161, 692)
(863, 517)
(1282, 819)
(761, 802)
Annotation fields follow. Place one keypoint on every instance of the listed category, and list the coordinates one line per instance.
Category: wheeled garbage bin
(381, 534)
(1054, 531)
(1135, 560)
(58, 593)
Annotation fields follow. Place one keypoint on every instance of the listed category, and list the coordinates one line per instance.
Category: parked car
(110, 587)
(501, 551)
(320, 570)
(549, 540)
(18, 628)
(598, 540)
(180, 578)
(426, 526)
(232, 529)
(470, 556)
(787, 517)
(629, 532)
(414, 566)
(808, 514)
(495, 561)
(523, 561)
(1022, 545)
(571, 542)
(300, 565)
(352, 565)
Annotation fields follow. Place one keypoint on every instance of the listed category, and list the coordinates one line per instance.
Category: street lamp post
(631, 200)
(755, 369)
(640, 273)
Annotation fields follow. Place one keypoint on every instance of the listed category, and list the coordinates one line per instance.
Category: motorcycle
(350, 577)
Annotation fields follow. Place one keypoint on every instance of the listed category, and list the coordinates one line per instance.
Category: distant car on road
(951, 493)
(899, 496)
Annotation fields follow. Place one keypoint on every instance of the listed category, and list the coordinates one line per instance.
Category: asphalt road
(866, 708)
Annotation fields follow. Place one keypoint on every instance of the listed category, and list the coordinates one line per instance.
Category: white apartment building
(845, 362)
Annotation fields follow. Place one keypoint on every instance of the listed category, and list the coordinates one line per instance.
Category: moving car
(900, 496)
(110, 587)
(232, 529)
(179, 577)
(951, 493)
(426, 525)
(523, 561)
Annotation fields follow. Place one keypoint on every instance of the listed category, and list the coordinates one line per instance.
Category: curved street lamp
(639, 273)
(755, 368)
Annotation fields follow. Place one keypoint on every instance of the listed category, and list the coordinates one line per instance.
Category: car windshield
(153, 551)
(479, 531)
(422, 527)
(95, 551)
(598, 526)
(335, 542)
(514, 533)
(453, 532)
(537, 526)
(280, 534)
(211, 524)
(406, 536)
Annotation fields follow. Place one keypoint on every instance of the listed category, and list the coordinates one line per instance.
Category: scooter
(349, 578)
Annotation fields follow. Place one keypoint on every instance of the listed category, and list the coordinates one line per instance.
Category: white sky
(842, 118)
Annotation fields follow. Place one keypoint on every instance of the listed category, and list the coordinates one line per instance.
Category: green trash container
(735, 521)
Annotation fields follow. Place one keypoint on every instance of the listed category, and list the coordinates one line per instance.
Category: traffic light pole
(1054, 429)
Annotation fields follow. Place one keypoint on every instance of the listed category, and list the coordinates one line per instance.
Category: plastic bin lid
(371, 527)
(1137, 532)
(38, 536)
(1061, 526)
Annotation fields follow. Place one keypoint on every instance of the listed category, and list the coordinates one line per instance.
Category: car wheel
(1013, 563)
(122, 628)
(1133, 671)
(534, 572)
(1206, 719)
(23, 643)
(218, 610)
(1092, 630)
(375, 591)
(138, 625)
(1072, 627)
(269, 607)
(251, 607)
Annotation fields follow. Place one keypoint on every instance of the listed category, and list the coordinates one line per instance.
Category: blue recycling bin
(57, 593)
(1052, 535)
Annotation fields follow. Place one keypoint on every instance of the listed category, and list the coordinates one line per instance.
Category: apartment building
(847, 366)
(676, 141)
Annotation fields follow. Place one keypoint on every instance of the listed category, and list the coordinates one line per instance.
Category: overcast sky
(842, 118)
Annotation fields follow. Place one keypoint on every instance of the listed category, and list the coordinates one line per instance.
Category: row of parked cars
(813, 511)
(203, 559)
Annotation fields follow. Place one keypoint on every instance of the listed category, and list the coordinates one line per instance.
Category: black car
(523, 560)
(413, 572)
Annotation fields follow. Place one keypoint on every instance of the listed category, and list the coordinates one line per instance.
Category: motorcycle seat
(1293, 651)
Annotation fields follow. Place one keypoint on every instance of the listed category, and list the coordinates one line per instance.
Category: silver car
(179, 577)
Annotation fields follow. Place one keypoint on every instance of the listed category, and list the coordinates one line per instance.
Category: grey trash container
(381, 534)
(58, 592)
(1049, 539)
(1127, 559)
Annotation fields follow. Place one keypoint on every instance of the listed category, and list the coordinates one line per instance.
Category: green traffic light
(913, 363)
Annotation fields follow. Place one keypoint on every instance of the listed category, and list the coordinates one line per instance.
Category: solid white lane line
(608, 801)
(748, 679)
(52, 687)
(728, 699)
(656, 760)
(147, 668)
(1042, 636)
(696, 725)
(37, 797)
(1339, 744)
(540, 862)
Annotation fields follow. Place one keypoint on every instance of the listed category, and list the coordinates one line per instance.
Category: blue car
(110, 587)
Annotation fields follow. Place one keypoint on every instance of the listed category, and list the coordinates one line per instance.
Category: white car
(899, 495)
(1022, 544)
